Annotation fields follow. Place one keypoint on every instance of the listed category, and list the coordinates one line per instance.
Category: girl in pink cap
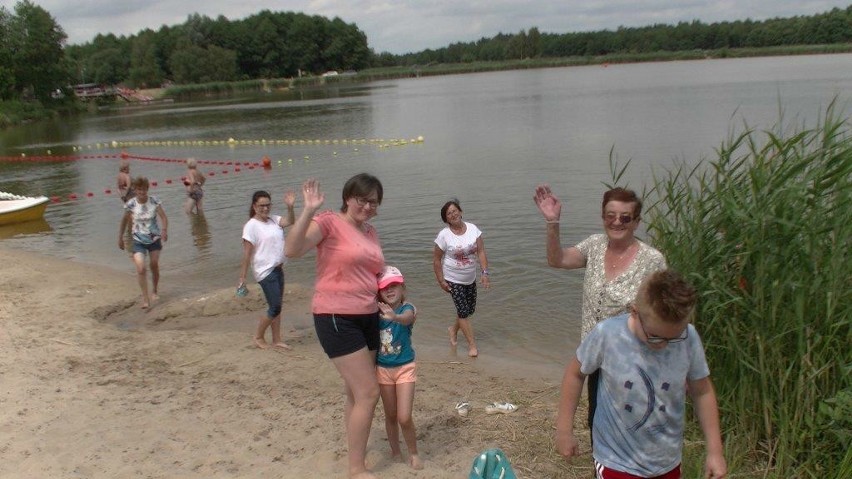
(396, 370)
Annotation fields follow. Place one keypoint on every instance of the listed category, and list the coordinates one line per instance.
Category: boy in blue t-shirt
(396, 369)
(649, 360)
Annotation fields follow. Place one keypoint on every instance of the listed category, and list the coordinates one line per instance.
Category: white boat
(19, 209)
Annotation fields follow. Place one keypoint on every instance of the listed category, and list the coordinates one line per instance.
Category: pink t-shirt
(348, 261)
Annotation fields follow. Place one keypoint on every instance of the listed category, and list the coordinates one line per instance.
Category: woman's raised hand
(548, 203)
(289, 198)
(314, 198)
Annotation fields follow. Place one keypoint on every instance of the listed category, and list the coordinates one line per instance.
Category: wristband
(552, 222)
(485, 272)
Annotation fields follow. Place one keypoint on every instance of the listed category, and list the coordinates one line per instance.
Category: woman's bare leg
(277, 340)
(260, 333)
(454, 333)
(358, 371)
(467, 329)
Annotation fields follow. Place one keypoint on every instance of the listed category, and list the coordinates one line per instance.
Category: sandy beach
(95, 387)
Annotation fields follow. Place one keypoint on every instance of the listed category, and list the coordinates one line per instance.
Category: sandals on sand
(463, 408)
(500, 408)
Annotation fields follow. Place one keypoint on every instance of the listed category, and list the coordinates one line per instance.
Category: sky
(404, 26)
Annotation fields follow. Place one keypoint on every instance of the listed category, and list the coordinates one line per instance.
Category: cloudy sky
(402, 26)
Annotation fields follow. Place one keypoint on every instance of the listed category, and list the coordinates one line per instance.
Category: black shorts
(342, 334)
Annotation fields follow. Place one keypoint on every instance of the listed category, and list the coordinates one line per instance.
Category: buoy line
(381, 142)
(235, 168)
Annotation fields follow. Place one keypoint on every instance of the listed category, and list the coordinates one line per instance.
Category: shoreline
(97, 387)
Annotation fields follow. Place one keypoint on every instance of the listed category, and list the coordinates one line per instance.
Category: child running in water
(396, 369)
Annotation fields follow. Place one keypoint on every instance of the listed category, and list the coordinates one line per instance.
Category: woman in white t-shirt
(459, 249)
(263, 247)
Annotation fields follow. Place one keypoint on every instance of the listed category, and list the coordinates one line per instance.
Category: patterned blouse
(603, 299)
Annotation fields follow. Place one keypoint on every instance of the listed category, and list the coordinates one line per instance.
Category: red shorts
(606, 473)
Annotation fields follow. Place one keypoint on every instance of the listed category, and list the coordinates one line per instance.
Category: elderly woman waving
(616, 261)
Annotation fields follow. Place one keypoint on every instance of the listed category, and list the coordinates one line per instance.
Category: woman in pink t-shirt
(346, 315)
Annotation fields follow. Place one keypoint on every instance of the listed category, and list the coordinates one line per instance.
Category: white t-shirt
(460, 254)
(268, 241)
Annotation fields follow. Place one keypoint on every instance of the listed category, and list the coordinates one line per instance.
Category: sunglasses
(624, 218)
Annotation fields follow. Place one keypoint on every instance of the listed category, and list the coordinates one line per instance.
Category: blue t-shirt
(395, 348)
(638, 424)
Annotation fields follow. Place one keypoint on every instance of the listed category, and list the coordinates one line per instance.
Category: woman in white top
(458, 249)
(263, 247)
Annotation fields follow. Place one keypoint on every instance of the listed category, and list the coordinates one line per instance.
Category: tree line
(265, 45)
(830, 27)
(35, 62)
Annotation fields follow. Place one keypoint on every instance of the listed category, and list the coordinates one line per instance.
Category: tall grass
(764, 230)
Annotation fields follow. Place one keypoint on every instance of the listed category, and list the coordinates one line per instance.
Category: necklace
(619, 258)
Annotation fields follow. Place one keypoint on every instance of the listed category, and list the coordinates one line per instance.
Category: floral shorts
(464, 297)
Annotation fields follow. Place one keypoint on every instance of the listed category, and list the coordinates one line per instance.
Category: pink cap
(389, 276)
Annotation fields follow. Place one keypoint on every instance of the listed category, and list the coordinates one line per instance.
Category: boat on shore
(20, 209)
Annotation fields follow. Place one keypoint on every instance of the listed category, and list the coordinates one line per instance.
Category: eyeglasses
(263, 205)
(364, 202)
(651, 339)
(624, 219)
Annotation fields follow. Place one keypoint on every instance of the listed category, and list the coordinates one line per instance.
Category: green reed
(763, 230)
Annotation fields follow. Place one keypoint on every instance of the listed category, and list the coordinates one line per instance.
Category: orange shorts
(407, 373)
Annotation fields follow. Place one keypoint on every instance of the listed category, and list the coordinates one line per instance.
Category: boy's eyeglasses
(624, 219)
(651, 339)
(364, 202)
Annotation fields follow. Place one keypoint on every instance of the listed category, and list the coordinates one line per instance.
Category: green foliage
(145, 68)
(194, 64)
(15, 112)
(265, 45)
(32, 55)
(764, 230)
(107, 67)
(831, 27)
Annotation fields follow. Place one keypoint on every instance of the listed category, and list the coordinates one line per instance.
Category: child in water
(396, 369)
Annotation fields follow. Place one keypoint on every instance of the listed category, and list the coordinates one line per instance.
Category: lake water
(488, 139)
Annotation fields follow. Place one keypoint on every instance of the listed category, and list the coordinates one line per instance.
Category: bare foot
(282, 345)
(473, 352)
(415, 462)
(145, 305)
(155, 297)
(453, 336)
(261, 343)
